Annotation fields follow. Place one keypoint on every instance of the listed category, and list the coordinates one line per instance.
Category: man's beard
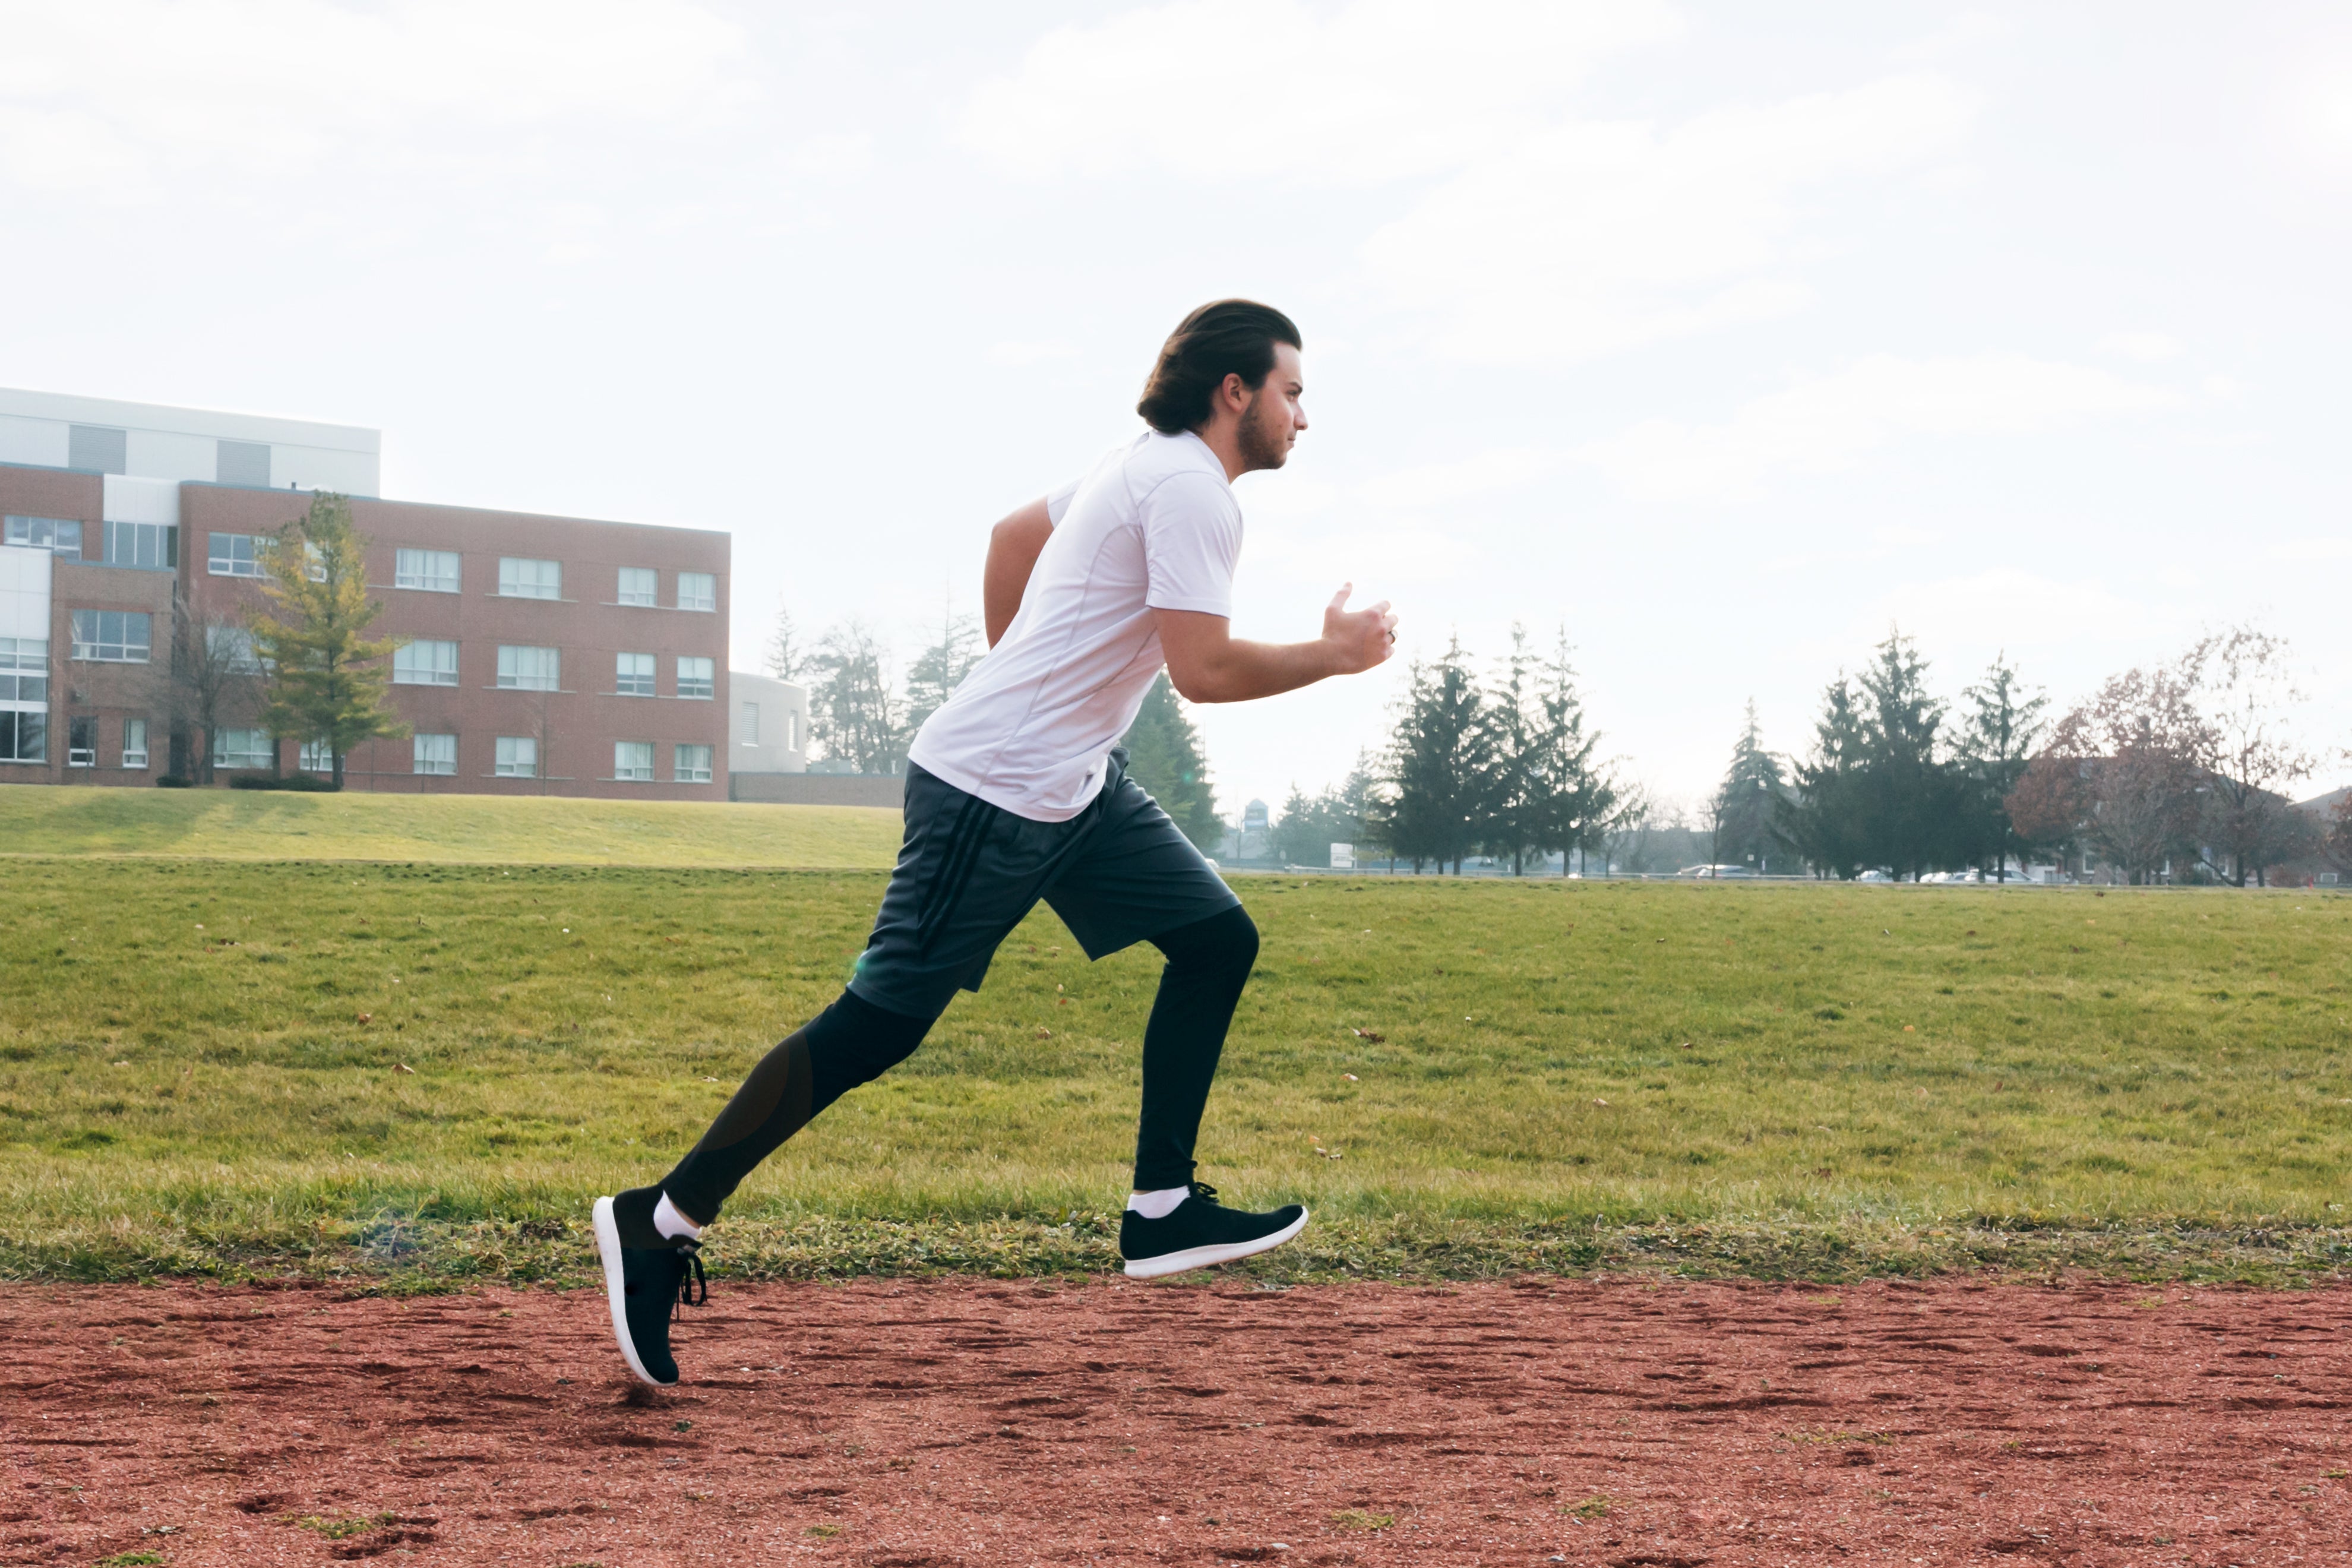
(1263, 445)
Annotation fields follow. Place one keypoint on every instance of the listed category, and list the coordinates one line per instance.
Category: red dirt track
(903, 1423)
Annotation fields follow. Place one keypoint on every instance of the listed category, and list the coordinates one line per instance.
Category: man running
(1016, 791)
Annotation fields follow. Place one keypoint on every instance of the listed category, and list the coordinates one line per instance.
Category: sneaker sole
(1209, 1257)
(608, 1249)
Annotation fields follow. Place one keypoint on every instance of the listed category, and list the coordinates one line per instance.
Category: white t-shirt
(1154, 526)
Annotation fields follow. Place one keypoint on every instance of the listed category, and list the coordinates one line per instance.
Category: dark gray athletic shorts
(1118, 873)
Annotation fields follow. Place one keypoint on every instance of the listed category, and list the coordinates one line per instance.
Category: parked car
(1725, 872)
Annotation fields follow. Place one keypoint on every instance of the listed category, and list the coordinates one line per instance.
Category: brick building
(544, 654)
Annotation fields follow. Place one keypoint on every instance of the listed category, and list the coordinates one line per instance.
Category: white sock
(1159, 1204)
(669, 1222)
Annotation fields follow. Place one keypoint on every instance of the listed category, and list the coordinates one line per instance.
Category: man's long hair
(1230, 337)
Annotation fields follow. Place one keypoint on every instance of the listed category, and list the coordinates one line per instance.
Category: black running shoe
(1199, 1232)
(648, 1277)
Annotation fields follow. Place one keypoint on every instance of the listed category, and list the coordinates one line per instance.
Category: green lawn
(251, 825)
(201, 1068)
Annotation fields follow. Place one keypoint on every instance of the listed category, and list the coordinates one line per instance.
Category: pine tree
(1747, 803)
(1820, 818)
(1580, 799)
(2004, 725)
(1518, 814)
(1163, 755)
(1440, 764)
(327, 681)
(1913, 807)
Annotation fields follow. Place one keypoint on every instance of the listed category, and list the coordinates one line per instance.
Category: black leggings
(854, 1042)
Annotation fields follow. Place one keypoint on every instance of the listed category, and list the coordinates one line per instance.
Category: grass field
(419, 1072)
(247, 825)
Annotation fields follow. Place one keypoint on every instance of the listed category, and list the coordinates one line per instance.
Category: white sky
(1725, 335)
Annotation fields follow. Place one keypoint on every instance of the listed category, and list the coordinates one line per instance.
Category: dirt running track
(977, 1422)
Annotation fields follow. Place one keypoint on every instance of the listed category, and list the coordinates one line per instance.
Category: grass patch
(449, 829)
(412, 1076)
(1362, 1519)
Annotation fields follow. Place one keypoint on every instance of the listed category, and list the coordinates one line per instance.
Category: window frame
(436, 675)
(680, 772)
(706, 682)
(507, 760)
(213, 560)
(635, 772)
(81, 753)
(513, 679)
(512, 586)
(634, 683)
(710, 578)
(15, 724)
(139, 728)
(416, 762)
(166, 537)
(32, 526)
(428, 581)
(223, 757)
(25, 661)
(91, 650)
(649, 599)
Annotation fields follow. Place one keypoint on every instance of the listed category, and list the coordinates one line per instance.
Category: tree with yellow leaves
(326, 680)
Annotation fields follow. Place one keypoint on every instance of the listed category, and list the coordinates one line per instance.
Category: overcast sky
(1726, 336)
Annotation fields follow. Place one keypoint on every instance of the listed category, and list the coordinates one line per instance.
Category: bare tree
(214, 681)
(856, 714)
(2246, 694)
(785, 657)
(2121, 775)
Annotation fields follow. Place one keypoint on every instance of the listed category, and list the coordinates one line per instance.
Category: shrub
(305, 783)
(173, 781)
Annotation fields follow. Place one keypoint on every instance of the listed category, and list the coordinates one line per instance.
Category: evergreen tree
(941, 668)
(2004, 725)
(327, 681)
(853, 713)
(1342, 814)
(1163, 755)
(1821, 817)
(1440, 764)
(1520, 804)
(1747, 804)
(1912, 803)
(1581, 800)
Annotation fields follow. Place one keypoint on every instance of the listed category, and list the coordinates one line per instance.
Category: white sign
(1343, 856)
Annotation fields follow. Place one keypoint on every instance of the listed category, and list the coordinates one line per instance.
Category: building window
(113, 637)
(97, 449)
(242, 463)
(433, 571)
(134, 743)
(317, 757)
(149, 546)
(697, 591)
(792, 731)
(517, 757)
(633, 674)
(232, 647)
(24, 737)
(529, 668)
(428, 661)
(435, 754)
(639, 584)
(692, 764)
(696, 677)
(521, 579)
(750, 723)
(81, 741)
(242, 748)
(24, 670)
(634, 760)
(58, 535)
(234, 554)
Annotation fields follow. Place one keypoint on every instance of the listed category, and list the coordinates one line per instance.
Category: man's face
(1275, 415)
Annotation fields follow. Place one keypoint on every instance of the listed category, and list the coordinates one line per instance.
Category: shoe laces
(691, 1279)
(1205, 1192)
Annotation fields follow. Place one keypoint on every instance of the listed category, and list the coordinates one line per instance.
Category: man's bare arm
(1014, 546)
(1207, 663)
